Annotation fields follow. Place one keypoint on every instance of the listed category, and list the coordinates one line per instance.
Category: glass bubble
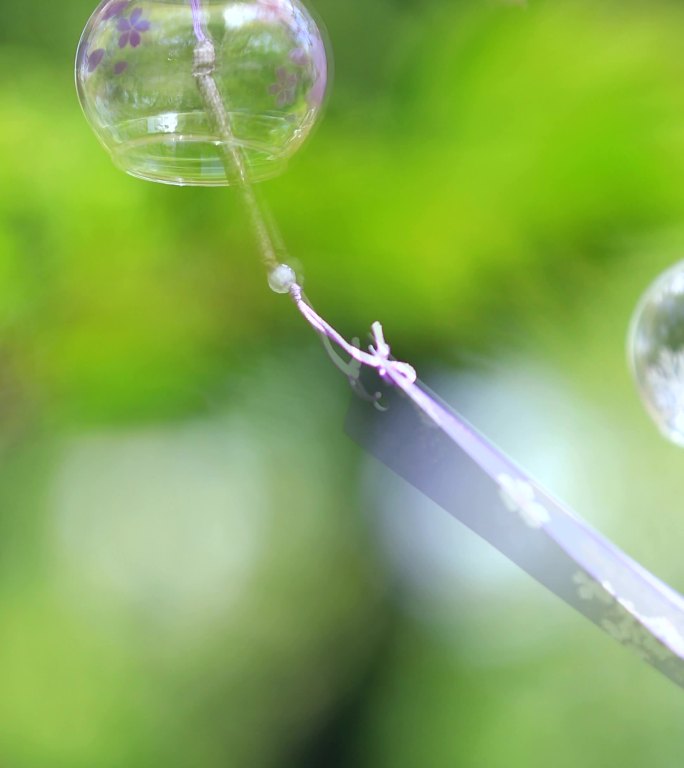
(134, 73)
(656, 350)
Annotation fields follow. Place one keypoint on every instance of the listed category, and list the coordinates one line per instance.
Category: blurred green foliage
(189, 574)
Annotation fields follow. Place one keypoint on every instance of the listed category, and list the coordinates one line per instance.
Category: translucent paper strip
(439, 453)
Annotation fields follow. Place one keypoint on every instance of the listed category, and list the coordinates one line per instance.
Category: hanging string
(197, 24)
(282, 278)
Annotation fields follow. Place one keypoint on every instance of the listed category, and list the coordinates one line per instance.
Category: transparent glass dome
(134, 73)
(656, 351)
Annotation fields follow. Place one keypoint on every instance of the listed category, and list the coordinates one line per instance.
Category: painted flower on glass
(519, 496)
(95, 59)
(317, 93)
(299, 57)
(116, 9)
(285, 87)
(310, 55)
(278, 8)
(132, 28)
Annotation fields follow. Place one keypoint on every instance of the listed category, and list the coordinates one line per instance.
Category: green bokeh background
(197, 569)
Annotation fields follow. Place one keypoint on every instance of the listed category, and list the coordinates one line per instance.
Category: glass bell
(656, 350)
(134, 72)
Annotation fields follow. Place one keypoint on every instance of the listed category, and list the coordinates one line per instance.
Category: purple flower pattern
(95, 59)
(115, 9)
(276, 8)
(132, 28)
(285, 87)
(298, 56)
(310, 56)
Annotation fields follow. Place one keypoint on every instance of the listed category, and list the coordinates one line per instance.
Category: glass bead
(282, 278)
(134, 73)
(656, 351)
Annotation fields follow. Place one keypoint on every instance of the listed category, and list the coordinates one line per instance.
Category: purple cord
(378, 357)
(196, 7)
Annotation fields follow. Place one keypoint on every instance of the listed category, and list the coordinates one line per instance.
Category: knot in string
(378, 355)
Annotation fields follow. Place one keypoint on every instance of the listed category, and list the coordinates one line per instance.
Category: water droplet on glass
(134, 71)
(656, 350)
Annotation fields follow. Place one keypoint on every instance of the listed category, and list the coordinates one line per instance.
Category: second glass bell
(656, 351)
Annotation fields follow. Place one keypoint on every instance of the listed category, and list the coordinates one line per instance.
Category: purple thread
(378, 357)
(196, 7)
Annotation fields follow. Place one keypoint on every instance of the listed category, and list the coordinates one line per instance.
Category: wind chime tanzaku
(223, 93)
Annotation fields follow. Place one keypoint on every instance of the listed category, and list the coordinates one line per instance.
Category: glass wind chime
(224, 92)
